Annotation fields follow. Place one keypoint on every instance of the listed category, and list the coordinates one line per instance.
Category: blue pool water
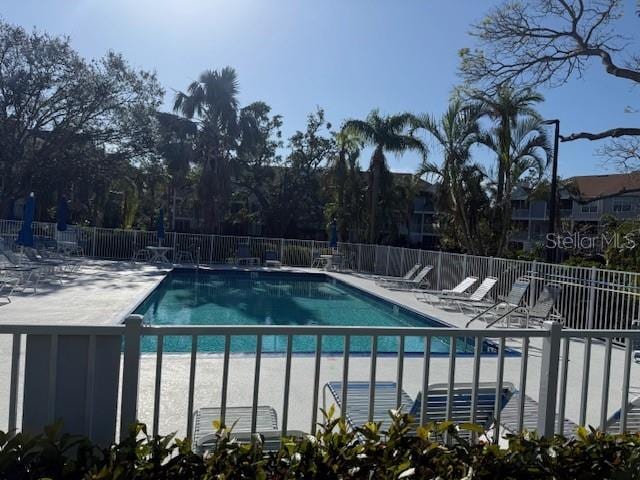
(186, 297)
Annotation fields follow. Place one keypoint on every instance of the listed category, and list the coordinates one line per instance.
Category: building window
(621, 206)
(590, 208)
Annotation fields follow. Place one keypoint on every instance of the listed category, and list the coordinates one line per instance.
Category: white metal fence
(581, 375)
(591, 298)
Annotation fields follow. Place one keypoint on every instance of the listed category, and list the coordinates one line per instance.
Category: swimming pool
(231, 297)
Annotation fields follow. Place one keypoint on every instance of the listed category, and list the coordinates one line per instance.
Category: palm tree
(212, 99)
(528, 153)
(504, 108)
(456, 132)
(385, 134)
(344, 176)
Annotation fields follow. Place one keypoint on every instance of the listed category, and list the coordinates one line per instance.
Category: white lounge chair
(243, 257)
(17, 277)
(29, 274)
(385, 399)
(458, 301)
(459, 289)
(204, 436)
(507, 304)
(271, 259)
(414, 283)
(407, 276)
(509, 416)
(633, 418)
(542, 310)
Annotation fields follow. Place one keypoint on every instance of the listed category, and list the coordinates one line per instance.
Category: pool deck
(104, 292)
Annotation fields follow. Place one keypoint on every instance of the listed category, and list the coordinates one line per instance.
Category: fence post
(439, 272)
(282, 251)
(313, 247)
(534, 283)
(173, 252)
(549, 379)
(388, 255)
(359, 256)
(93, 244)
(592, 298)
(135, 243)
(464, 265)
(130, 373)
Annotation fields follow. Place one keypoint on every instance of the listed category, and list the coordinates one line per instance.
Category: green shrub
(296, 255)
(401, 452)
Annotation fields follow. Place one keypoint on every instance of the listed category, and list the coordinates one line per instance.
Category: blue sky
(347, 56)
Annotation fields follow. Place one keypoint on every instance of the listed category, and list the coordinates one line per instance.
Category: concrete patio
(105, 292)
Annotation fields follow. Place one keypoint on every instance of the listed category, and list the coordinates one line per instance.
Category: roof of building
(594, 187)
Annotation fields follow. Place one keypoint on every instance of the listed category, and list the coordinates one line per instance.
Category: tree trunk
(375, 170)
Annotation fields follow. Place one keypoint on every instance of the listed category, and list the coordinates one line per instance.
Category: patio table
(159, 254)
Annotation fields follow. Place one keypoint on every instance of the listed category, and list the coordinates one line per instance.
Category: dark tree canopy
(548, 42)
(86, 119)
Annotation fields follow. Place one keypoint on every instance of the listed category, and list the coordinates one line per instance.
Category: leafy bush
(296, 255)
(402, 451)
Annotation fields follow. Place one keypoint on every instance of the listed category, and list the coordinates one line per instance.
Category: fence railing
(591, 298)
(581, 375)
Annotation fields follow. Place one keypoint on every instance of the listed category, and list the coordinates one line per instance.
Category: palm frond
(361, 129)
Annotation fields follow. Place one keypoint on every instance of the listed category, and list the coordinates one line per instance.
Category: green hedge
(333, 453)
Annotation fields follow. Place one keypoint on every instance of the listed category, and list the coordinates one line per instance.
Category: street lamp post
(551, 252)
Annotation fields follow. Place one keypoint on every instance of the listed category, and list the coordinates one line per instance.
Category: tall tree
(384, 134)
(258, 159)
(455, 133)
(301, 198)
(60, 114)
(505, 108)
(527, 155)
(176, 145)
(212, 100)
(345, 181)
(548, 42)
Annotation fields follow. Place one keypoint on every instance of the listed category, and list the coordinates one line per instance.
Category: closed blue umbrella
(333, 240)
(25, 236)
(12, 207)
(62, 215)
(160, 226)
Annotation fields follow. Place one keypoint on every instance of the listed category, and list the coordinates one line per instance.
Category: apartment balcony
(519, 236)
(520, 214)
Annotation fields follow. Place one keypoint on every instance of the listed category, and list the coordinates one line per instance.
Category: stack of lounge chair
(379, 279)
(459, 289)
(19, 272)
(507, 304)
(417, 282)
(541, 310)
(457, 297)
